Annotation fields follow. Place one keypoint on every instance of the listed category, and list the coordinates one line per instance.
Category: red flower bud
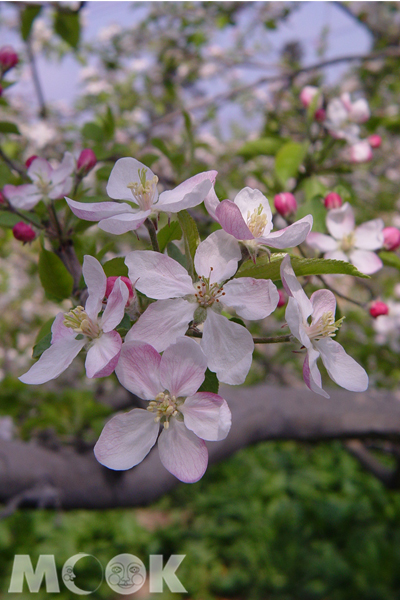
(110, 286)
(333, 200)
(391, 238)
(23, 232)
(8, 58)
(375, 140)
(285, 204)
(320, 115)
(282, 298)
(86, 161)
(1, 90)
(2, 199)
(378, 308)
(30, 160)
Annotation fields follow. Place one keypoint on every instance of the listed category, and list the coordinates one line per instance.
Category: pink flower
(375, 140)
(360, 152)
(84, 327)
(350, 243)
(249, 219)
(343, 117)
(391, 238)
(320, 115)
(8, 58)
(282, 299)
(333, 200)
(187, 418)
(30, 160)
(316, 336)
(47, 183)
(23, 232)
(86, 161)
(227, 345)
(285, 204)
(307, 95)
(111, 281)
(378, 308)
(133, 182)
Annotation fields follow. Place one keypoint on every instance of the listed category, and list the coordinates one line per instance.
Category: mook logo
(124, 574)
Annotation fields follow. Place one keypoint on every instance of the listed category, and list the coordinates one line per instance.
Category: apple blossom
(187, 417)
(133, 182)
(333, 200)
(111, 283)
(316, 336)
(23, 232)
(375, 140)
(307, 95)
(249, 219)
(30, 160)
(86, 161)
(82, 327)
(227, 345)
(378, 308)
(285, 204)
(8, 59)
(360, 152)
(343, 116)
(391, 238)
(282, 299)
(350, 243)
(47, 182)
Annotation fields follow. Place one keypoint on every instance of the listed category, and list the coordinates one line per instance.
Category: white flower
(131, 181)
(227, 345)
(343, 116)
(350, 243)
(316, 336)
(188, 418)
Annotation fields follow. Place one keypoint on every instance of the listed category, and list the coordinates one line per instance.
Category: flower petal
(207, 415)
(249, 201)
(336, 255)
(182, 367)
(103, 355)
(322, 301)
(24, 196)
(342, 369)
(295, 321)
(66, 168)
(340, 221)
(231, 220)
(123, 223)
(219, 252)
(126, 171)
(321, 242)
(367, 262)
(162, 323)
(138, 369)
(40, 170)
(182, 453)
(115, 308)
(158, 276)
(228, 347)
(126, 439)
(211, 203)
(53, 361)
(290, 236)
(251, 298)
(293, 288)
(96, 282)
(188, 194)
(59, 331)
(311, 374)
(369, 235)
(96, 211)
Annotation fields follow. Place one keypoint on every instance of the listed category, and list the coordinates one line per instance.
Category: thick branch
(260, 413)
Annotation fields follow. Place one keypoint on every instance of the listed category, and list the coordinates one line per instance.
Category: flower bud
(320, 115)
(361, 152)
(391, 238)
(333, 200)
(2, 199)
(378, 308)
(308, 94)
(110, 286)
(285, 204)
(282, 298)
(86, 161)
(8, 58)
(30, 160)
(1, 90)
(375, 140)
(23, 232)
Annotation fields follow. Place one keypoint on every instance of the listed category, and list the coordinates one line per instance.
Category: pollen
(257, 221)
(165, 405)
(144, 192)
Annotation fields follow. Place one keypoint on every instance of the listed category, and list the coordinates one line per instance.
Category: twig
(153, 234)
(277, 339)
(36, 80)
(361, 304)
(13, 166)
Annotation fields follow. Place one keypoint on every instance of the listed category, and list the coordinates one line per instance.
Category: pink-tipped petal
(231, 220)
(96, 282)
(119, 224)
(162, 323)
(293, 287)
(341, 367)
(53, 361)
(182, 453)
(103, 355)
(369, 235)
(322, 301)
(126, 440)
(219, 252)
(188, 194)
(125, 172)
(182, 368)
(24, 196)
(311, 374)
(365, 261)
(115, 308)
(251, 298)
(321, 242)
(340, 221)
(138, 369)
(158, 276)
(96, 211)
(207, 415)
(290, 236)
(228, 347)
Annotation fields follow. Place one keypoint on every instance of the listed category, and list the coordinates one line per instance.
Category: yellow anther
(257, 221)
(78, 321)
(326, 326)
(145, 191)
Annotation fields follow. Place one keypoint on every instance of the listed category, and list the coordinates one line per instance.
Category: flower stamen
(78, 320)
(326, 326)
(165, 406)
(145, 191)
(257, 221)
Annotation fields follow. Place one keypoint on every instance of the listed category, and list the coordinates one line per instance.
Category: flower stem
(277, 339)
(153, 235)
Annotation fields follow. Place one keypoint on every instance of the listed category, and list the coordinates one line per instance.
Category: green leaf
(313, 187)
(191, 236)
(116, 267)
(54, 277)
(125, 323)
(28, 15)
(176, 254)
(41, 346)
(269, 268)
(162, 147)
(210, 383)
(169, 232)
(8, 219)
(67, 26)
(267, 146)
(92, 131)
(316, 208)
(108, 123)
(288, 160)
(390, 259)
(8, 127)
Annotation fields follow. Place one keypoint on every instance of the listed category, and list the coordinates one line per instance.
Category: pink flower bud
(8, 58)
(30, 160)
(378, 308)
(1, 90)
(375, 140)
(86, 161)
(23, 232)
(361, 152)
(110, 286)
(391, 238)
(282, 298)
(285, 204)
(320, 115)
(308, 94)
(2, 199)
(333, 200)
